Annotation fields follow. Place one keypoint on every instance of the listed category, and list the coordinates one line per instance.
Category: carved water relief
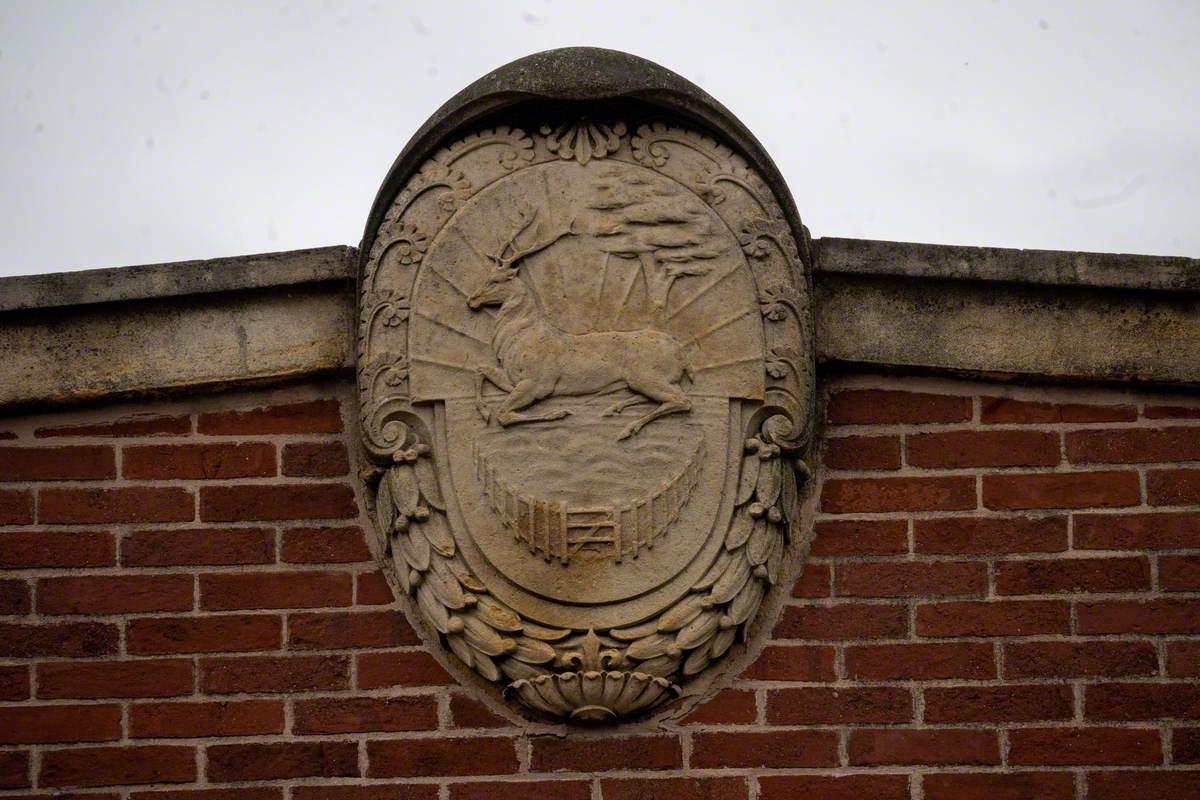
(585, 374)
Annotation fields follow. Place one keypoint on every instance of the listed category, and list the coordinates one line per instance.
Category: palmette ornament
(585, 373)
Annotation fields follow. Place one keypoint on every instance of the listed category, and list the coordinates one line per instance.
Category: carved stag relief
(586, 376)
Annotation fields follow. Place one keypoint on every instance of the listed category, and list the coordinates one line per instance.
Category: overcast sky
(144, 132)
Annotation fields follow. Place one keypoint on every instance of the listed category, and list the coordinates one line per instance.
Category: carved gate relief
(586, 375)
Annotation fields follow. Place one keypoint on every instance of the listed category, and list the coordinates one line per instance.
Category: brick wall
(1002, 601)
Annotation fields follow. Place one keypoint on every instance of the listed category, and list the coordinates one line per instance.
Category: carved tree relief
(586, 377)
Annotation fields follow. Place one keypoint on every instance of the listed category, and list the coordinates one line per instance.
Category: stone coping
(833, 255)
(1009, 265)
(1025, 315)
(175, 279)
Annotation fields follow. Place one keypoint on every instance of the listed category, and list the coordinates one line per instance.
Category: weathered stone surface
(586, 372)
(987, 264)
(177, 279)
(86, 353)
(1007, 329)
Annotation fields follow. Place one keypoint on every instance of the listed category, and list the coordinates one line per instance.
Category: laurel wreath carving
(499, 644)
(585, 674)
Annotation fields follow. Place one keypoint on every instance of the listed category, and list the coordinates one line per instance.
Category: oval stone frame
(578, 227)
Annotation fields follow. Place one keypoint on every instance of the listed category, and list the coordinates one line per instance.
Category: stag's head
(497, 287)
(502, 281)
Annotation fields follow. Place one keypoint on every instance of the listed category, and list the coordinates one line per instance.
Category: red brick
(316, 459)
(418, 758)
(1183, 659)
(14, 683)
(1083, 746)
(865, 495)
(360, 714)
(372, 589)
(843, 622)
(1062, 490)
(628, 753)
(281, 760)
(732, 788)
(906, 746)
(833, 787)
(134, 504)
(1173, 487)
(1172, 412)
(1076, 659)
(222, 793)
(470, 713)
(770, 750)
(1162, 531)
(853, 537)
(1130, 616)
(111, 766)
(223, 634)
(50, 724)
(569, 789)
(792, 663)
(274, 674)
(325, 546)
(840, 706)
(1144, 785)
(136, 425)
(882, 407)
(1000, 786)
(990, 535)
(14, 770)
(1133, 445)
(996, 618)
(921, 661)
(862, 452)
(57, 463)
(314, 416)
(199, 461)
(143, 678)
(114, 594)
(340, 631)
(910, 578)
(813, 582)
(998, 410)
(1012, 703)
(1137, 701)
(202, 719)
(374, 791)
(1179, 573)
(15, 597)
(227, 592)
(414, 668)
(198, 547)
(16, 507)
(1053, 576)
(42, 549)
(62, 639)
(253, 502)
(727, 707)
(1185, 746)
(959, 449)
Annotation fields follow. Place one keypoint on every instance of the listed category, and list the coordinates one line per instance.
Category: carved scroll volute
(586, 381)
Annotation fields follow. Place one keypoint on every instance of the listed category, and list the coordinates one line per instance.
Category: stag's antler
(525, 219)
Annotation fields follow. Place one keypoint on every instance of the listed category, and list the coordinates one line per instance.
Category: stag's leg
(671, 398)
(488, 373)
(619, 406)
(525, 393)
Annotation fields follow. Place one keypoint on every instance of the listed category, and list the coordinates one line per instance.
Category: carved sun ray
(704, 289)
(441, 323)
